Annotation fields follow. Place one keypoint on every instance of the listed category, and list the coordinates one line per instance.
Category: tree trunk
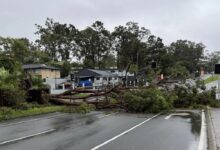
(126, 72)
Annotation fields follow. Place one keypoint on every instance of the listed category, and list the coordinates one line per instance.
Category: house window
(97, 78)
(116, 78)
(104, 78)
(36, 71)
(110, 78)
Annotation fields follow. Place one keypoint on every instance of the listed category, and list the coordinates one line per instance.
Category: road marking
(176, 114)
(123, 133)
(26, 137)
(107, 115)
(202, 139)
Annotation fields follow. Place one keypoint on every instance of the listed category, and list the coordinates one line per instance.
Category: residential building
(97, 78)
(42, 70)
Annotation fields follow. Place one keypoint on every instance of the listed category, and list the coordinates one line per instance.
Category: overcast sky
(196, 20)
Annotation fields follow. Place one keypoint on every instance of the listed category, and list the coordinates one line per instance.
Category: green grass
(9, 113)
(81, 95)
(26, 109)
(211, 79)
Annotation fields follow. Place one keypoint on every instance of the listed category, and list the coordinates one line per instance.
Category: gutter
(212, 145)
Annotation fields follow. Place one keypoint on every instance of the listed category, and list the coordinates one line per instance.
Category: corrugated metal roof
(101, 72)
(38, 66)
(94, 73)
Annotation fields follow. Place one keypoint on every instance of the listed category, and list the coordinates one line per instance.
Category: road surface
(97, 130)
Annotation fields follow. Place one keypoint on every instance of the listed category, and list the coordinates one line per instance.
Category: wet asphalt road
(83, 132)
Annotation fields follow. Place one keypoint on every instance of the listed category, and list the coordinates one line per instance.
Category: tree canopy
(127, 47)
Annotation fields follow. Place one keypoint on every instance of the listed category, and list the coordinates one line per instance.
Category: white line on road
(176, 114)
(26, 137)
(106, 115)
(202, 139)
(123, 133)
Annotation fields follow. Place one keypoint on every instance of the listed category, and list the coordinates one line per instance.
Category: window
(97, 78)
(104, 78)
(36, 70)
(110, 78)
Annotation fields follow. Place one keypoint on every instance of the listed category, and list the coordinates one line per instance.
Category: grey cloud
(195, 20)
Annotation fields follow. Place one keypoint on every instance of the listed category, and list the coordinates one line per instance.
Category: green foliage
(65, 67)
(83, 108)
(27, 110)
(58, 40)
(191, 98)
(129, 44)
(26, 106)
(81, 95)
(95, 44)
(188, 52)
(10, 92)
(16, 49)
(179, 70)
(151, 100)
(133, 68)
(211, 79)
(37, 82)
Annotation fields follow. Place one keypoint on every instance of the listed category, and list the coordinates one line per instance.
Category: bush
(10, 97)
(151, 100)
(10, 91)
(5, 113)
(83, 108)
(26, 106)
(191, 98)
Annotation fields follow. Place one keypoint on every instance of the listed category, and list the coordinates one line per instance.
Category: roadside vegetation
(30, 109)
(128, 47)
(153, 100)
(81, 95)
(211, 79)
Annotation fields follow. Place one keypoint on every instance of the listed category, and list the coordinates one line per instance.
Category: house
(50, 76)
(95, 78)
(130, 77)
(42, 70)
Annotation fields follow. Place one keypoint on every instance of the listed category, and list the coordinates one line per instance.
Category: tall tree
(16, 49)
(95, 44)
(58, 40)
(128, 42)
(190, 53)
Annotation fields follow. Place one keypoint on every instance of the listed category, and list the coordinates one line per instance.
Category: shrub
(10, 97)
(82, 108)
(151, 100)
(10, 92)
(191, 98)
(5, 113)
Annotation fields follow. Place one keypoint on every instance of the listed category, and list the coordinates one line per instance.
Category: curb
(212, 145)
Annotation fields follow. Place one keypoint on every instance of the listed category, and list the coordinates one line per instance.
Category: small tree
(10, 91)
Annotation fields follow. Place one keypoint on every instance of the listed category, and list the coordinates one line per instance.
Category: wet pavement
(215, 116)
(85, 132)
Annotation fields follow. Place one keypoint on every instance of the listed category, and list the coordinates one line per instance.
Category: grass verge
(7, 113)
(211, 79)
(81, 95)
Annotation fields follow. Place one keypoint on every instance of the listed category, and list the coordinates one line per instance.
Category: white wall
(100, 82)
(52, 83)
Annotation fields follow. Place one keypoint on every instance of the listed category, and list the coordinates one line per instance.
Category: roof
(94, 73)
(38, 66)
